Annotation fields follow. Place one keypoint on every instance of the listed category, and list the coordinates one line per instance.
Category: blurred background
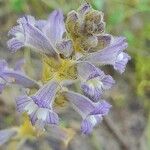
(127, 126)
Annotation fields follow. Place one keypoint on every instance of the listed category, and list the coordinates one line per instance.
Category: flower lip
(90, 112)
(87, 71)
(102, 108)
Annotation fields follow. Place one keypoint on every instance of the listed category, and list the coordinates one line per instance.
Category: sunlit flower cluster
(72, 54)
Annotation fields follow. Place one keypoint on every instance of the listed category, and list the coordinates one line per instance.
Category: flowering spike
(72, 53)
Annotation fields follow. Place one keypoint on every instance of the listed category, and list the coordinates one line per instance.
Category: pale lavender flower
(39, 106)
(11, 76)
(111, 55)
(94, 80)
(91, 113)
(41, 36)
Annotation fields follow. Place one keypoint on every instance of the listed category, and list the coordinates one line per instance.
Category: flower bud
(86, 43)
(83, 9)
(94, 16)
(100, 28)
(71, 20)
(90, 27)
(94, 22)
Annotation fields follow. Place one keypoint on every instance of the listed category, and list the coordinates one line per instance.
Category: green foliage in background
(17, 5)
(131, 18)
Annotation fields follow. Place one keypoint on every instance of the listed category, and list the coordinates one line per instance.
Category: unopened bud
(100, 28)
(86, 43)
(94, 23)
(71, 20)
(94, 16)
(83, 9)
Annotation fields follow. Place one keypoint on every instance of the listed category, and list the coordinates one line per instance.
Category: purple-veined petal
(90, 122)
(40, 24)
(55, 27)
(14, 44)
(6, 135)
(80, 103)
(20, 78)
(108, 55)
(93, 80)
(27, 34)
(26, 19)
(35, 39)
(45, 95)
(65, 48)
(102, 108)
(90, 112)
(85, 107)
(108, 82)
(52, 118)
(121, 62)
(87, 71)
(95, 117)
(92, 92)
(18, 38)
(22, 102)
(94, 88)
(39, 105)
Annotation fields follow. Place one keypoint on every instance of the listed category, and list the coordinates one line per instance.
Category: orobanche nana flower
(14, 76)
(72, 54)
